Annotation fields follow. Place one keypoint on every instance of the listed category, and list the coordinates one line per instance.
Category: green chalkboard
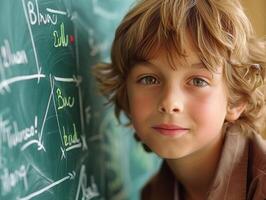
(57, 140)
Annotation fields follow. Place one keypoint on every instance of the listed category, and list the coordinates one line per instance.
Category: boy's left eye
(198, 82)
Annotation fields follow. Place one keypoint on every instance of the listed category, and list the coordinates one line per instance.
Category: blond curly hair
(221, 33)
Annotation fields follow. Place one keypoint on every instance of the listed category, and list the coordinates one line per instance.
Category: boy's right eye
(148, 80)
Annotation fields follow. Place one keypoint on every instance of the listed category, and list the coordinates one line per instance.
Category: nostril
(165, 109)
(175, 110)
(162, 109)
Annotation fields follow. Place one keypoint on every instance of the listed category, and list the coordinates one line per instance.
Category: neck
(196, 172)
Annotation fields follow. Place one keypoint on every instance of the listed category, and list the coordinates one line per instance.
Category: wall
(256, 11)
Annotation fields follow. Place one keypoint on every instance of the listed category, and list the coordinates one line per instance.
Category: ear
(234, 112)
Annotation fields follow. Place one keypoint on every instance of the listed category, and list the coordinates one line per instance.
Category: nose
(171, 100)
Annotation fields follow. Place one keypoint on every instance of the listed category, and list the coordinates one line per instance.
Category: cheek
(209, 110)
(140, 105)
(140, 110)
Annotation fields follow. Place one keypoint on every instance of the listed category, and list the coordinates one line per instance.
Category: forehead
(167, 52)
(164, 60)
(174, 59)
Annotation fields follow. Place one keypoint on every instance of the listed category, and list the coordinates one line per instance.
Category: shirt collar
(231, 175)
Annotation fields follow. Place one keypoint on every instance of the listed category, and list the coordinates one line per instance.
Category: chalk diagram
(86, 188)
(33, 136)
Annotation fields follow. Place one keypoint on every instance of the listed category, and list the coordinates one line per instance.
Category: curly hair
(221, 33)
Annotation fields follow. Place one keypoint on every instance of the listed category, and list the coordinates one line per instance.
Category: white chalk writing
(36, 17)
(70, 176)
(88, 192)
(11, 134)
(8, 58)
(11, 179)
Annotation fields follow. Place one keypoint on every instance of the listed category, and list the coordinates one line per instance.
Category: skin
(191, 97)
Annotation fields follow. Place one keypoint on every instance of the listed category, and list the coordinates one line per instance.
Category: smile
(170, 129)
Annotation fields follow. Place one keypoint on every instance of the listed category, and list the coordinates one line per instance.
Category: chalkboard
(57, 140)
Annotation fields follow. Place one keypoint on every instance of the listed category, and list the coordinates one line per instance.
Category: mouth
(170, 129)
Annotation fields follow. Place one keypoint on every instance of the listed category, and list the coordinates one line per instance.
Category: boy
(190, 77)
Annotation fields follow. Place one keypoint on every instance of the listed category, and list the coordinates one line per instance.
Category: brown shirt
(241, 173)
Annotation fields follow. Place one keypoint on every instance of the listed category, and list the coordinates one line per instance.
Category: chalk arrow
(77, 80)
(39, 73)
(46, 188)
(84, 143)
(63, 153)
(40, 145)
(4, 86)
(72, 175)
(68, 13)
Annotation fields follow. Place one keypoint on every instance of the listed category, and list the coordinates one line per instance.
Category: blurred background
(256, 11)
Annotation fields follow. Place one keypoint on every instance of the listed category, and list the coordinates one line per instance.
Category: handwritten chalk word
(64, 101)
(88, 192)
(60, 38)
(70, 138)
(11, 179)
(11, 134)
(91, 191)
(36, 17)
(31, 37)
(7, 58)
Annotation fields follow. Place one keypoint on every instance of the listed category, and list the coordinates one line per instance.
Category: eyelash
(203, 83)
(153, 80)
(146, 78)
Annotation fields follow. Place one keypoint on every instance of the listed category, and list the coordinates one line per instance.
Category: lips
(170, 129)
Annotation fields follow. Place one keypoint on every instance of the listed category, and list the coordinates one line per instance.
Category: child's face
(176, 112)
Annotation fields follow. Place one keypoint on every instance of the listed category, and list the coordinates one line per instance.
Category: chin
(170, 155)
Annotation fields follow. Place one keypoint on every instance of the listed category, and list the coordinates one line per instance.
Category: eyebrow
(199, 65)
